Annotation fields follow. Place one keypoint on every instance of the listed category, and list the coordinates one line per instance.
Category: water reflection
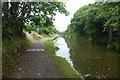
(93, 60)
(64, 51)
(90, 60)
(87, 59)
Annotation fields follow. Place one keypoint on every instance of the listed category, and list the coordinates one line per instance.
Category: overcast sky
(61, 21)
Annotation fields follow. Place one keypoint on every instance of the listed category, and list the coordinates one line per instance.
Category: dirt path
(35, 63)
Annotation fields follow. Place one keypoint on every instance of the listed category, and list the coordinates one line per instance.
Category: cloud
(61, 21)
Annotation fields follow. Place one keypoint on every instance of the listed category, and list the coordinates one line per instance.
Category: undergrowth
(11, 52)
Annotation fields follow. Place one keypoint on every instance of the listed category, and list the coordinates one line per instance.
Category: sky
(61, 21)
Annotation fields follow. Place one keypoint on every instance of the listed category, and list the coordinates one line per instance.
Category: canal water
(87, 59)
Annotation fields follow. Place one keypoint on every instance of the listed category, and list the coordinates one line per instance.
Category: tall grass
(11, 52)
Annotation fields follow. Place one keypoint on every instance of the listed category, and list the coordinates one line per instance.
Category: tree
(98, 22)
(16, 14)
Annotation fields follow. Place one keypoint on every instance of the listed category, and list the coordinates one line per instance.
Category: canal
(88, 59)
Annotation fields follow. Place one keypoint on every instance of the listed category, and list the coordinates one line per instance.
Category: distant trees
(19, 16)
(98, 22)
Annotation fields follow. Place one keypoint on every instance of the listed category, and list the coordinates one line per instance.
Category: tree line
(29, 16)
(98, 22)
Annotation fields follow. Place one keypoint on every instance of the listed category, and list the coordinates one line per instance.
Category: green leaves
(98, 22)
(33, 15)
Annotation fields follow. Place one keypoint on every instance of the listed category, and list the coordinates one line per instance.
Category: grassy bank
(38, 36)
(11, 52)
(63, 67)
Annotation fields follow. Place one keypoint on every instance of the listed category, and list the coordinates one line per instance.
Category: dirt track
(35, 63)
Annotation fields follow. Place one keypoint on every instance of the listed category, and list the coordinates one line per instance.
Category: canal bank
(86, 59)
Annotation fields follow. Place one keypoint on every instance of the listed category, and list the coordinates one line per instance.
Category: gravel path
(35, 63)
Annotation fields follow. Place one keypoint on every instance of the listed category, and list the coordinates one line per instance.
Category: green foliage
(50, 44)
(29, 16)
(98, 22)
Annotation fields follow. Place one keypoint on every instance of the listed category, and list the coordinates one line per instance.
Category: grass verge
(11, 52)
(36, 36)
(63, 67)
